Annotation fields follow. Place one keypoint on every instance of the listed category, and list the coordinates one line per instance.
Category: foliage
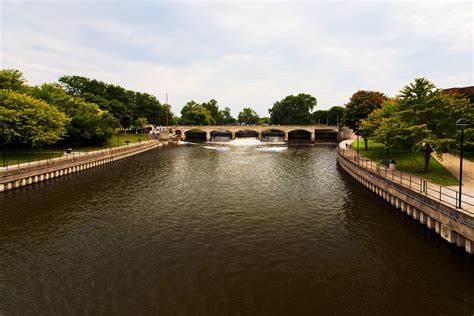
(224, 117)
(30, 121)
(12, 79)
(293, 110)
(421, 118)
(360, 105)
(248, 116)
(194, 114)
(264, 120)
(320, 117)
(89, 125)
(125, 105)
(140, 123)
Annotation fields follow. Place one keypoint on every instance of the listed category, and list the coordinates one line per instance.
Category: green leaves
(30, 121)
(293, 110)
(421, 117)
(359, 107)
(248, 116)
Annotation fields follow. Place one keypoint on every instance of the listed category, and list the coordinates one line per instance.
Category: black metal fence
(438, 192)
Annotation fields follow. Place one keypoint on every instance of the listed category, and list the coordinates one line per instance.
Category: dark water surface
(222, 230)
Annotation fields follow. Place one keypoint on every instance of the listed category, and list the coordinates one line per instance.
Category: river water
(222, 229)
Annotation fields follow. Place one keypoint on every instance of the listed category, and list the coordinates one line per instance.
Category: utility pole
(167, 111)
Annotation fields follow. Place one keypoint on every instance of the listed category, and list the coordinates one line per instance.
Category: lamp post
(3, 125)
(357, 125)
(463, 123)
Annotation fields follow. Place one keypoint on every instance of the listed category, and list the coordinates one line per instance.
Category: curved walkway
(451, 163)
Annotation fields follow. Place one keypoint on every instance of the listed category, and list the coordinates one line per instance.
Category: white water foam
(217, 148)
(272, 149)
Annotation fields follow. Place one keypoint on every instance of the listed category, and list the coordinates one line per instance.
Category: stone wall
(454, 225)
(45, 170)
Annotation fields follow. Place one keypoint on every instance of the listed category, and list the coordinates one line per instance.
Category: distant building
(468, 91)
(465, 90)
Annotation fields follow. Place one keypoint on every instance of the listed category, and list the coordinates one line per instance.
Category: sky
(242, 53)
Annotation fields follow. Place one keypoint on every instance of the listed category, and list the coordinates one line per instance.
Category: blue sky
(242, 53)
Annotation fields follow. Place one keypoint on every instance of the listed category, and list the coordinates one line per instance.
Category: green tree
(89, 125)
(248, 116)
(225, 117)
(30, 121)
(12, 79)
(293, 110)
(125, 105)
(335, 114)
(213, 108)
(140, 123)
(194, 114)
(264, 120)
(361, 104)
(320, 117)
(431, 116)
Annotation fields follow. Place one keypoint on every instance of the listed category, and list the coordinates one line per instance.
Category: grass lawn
(15, 156)
(116, 141)
(410, 162)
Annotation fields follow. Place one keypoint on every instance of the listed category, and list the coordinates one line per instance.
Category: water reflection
(221, 229)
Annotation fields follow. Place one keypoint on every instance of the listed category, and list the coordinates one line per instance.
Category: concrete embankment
(47, 169)
(433, 206)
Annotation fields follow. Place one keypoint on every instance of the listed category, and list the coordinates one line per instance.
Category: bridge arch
(300, 135)
(246, 133)
(195, 135)
(221, 134)
(272, 134)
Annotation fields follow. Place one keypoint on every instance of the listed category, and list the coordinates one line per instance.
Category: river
(222, 229)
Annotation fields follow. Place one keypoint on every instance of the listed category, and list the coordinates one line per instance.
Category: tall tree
(293, 110)
(225, 117)
(360, 105)
(195, 114)
(248, 116)
(431, 116)
(12, 79)
(89, 124)
(30, 121)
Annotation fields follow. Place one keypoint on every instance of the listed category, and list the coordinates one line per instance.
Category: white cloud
(247, 54)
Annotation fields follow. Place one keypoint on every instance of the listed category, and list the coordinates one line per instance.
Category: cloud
(242, 54)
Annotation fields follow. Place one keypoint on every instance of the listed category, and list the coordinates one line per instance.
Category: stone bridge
(309, 132)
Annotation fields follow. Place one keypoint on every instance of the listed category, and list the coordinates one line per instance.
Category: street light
(3, 125)
(357, 125)
(463, 123)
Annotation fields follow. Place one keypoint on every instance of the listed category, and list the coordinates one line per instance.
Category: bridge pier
(208, 136)
(313, 136)
(233, 135)
(286, 136)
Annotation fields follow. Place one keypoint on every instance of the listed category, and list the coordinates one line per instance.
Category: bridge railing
(435, 191)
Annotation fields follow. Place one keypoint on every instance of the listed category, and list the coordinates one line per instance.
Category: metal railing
(435, 191)
(69, 157)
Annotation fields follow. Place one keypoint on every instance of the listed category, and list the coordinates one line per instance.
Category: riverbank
(433, 205)
(32, 172)
(411, 162)
(30, 155)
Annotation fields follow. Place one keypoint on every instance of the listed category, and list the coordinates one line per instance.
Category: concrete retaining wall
(454, 225)
(12, 179)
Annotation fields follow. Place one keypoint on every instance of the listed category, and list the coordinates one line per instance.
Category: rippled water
(216, 229)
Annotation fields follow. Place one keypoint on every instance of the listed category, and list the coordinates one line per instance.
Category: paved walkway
(444, 193)
(451, 163)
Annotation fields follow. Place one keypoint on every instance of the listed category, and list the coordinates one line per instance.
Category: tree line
(75, 111)
(421, 117)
